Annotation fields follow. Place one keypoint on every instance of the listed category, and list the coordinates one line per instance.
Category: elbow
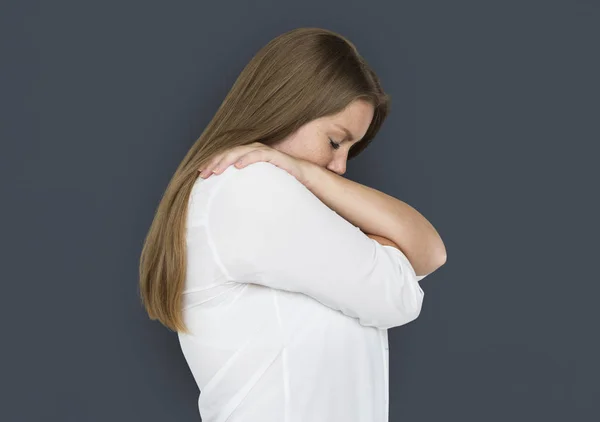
(438, 254)
(431, 265)
(405, 309)
(412, 304)
(400, 315)
(408, 308)
(442, 254)
(401, 318)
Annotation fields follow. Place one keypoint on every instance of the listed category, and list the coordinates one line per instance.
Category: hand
(244, 155)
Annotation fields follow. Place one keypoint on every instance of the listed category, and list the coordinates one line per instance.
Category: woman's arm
(382, 240)
(380, 214)
(267, 228)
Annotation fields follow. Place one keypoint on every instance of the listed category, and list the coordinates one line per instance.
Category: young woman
(280, 276)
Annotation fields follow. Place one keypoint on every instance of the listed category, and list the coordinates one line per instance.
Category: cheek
(310, 143)
(322, 151)
(313, 143)
(317, 156)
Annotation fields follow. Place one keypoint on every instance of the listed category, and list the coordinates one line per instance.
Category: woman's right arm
(264, 227)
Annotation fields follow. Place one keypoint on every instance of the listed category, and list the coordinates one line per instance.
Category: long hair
(299, 76)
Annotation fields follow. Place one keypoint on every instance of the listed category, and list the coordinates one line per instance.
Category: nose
(338, 167)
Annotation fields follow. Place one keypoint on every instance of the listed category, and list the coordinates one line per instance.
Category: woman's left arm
(380, 214)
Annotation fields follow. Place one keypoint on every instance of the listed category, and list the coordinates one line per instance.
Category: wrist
(310, 173)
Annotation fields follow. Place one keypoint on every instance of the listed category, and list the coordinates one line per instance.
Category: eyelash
(334, 145)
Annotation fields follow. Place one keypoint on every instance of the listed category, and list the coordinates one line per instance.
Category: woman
(280, 276)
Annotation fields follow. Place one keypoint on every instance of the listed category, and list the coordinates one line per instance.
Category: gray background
(493, 136)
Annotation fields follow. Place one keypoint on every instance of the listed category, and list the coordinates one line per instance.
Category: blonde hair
(299, 76)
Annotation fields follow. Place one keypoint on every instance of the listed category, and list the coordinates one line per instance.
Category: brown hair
(299, 76)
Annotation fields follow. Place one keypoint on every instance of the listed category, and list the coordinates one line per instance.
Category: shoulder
(259, 168)
(262, 176)
(262, 187)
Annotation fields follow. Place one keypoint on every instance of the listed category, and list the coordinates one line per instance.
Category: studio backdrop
(492, 136)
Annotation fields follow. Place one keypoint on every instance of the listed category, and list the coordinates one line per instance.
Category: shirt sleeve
(267, 228)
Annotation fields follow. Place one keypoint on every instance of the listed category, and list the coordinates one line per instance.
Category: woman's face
(316, 140)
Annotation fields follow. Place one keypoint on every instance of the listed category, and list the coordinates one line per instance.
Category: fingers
(223, 160)
(215, 166)
(205, 174)
(227, 160)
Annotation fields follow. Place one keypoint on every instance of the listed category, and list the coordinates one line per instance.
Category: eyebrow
(348, 134)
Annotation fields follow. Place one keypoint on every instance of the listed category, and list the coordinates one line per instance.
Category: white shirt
(288, 302)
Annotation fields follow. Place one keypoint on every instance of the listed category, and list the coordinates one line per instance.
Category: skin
(313, 142)
(312, 159)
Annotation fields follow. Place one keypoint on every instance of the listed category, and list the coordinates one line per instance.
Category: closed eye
(335, 145)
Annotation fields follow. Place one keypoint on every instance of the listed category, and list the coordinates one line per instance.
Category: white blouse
(288, 302)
